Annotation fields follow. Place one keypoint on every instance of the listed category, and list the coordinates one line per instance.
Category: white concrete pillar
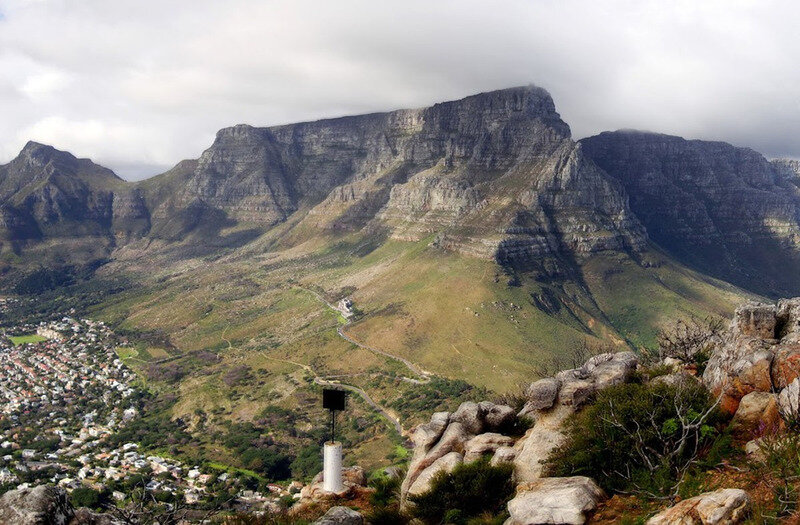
(332, 471)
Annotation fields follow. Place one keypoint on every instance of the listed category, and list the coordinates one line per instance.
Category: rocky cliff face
(725, 210)
(495, 174)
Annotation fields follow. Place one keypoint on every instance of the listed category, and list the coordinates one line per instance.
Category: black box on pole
(333, 399)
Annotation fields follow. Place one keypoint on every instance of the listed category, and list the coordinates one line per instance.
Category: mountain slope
(724, 210)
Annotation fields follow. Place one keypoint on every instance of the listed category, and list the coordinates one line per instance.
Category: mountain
(472, 236)
(58, 208)
(493, 175)
(723, 210)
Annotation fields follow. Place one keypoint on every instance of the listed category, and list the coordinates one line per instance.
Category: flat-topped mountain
(494, 174)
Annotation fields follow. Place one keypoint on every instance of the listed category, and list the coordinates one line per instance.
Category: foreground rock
(340, 516)
(552, 400)
(42, 505)
(760, 352)
(555, 500)
(473, 429)
(721, 507)
(758, 411)
(354, 480)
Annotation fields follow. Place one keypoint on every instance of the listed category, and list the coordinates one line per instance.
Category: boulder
(786, 364)
(453, 439)
(353, 478)
(497, 417)
(445, 463)
(754, 450)
(425, 436)
(789, 401)
(555, 500)
(755, 320)
(483, 444)
(721, 507)
(471, 416)
(575, 392)
(340, 516)
(541, 394)
(611, 368)
(737, 367)
(42, 505)
(503, 455)
(533, 449)
(758, 411)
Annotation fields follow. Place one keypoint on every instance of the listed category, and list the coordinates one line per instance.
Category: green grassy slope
(250, 330)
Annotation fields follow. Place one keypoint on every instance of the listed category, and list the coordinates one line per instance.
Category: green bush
(470, 491)
(87, 497)
(639, 437)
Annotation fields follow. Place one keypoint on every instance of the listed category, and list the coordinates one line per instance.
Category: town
(64, 394)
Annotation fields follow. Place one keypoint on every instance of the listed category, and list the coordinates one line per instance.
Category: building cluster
(63, 396)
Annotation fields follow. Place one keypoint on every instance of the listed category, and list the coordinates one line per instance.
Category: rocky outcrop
(442, 443)
(757, 411)
(559, 397)
(340, 516)
(760, 352)
(716, 207)
(575, 386)
(42, 505)
(564, 501)
(354, 480)
(475, 430)
(721, 507)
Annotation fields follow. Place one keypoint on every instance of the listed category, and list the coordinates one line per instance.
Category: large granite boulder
(789, 401)
(426, 435)
(541, 394)
(485, 444)
(42, 505)
(758, 411)
(340, 516)
(721, 507)
(555, 500)
(445, 463)
(533, 449)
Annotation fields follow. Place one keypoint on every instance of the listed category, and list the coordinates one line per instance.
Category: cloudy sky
(139, 84)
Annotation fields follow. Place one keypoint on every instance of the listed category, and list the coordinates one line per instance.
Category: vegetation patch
(25, 339)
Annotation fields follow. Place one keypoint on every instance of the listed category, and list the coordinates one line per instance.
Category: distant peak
(32, 146)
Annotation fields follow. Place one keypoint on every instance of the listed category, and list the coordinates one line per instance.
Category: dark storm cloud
(141, 84)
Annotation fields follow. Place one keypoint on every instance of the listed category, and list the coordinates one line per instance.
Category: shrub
(387, 490)
(469, 491)
(86, 497)
(690, 340)
(640, 438)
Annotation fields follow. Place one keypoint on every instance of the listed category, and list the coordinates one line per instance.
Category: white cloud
(147, 83)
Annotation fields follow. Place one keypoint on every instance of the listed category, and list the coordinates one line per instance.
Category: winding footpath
(424, 375)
